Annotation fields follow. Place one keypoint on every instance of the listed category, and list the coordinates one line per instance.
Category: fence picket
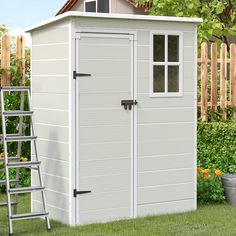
(223, 77)
(214, 76)
(204, 62)
(5, 60)
(233, 77)
(20, 55)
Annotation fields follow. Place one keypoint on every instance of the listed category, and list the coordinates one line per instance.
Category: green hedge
(216, 144)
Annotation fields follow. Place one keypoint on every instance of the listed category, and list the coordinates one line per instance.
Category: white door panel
(105, 133)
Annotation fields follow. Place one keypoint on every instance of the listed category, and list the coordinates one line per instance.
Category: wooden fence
(7, 54)
(217, 87)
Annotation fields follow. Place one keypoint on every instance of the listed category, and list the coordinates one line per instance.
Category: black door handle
(128, 103)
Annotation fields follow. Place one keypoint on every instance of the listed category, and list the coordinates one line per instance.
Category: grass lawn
(207, 220)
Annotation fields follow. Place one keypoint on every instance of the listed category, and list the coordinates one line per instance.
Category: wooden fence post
(20, 55)
(204, 63)
(233, 77)
(214, 76)
(223, 76)
(5, 62)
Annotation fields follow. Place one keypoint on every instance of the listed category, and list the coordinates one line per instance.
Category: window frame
(152, 63)
(97, 6)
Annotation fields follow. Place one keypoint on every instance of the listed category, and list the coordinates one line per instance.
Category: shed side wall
(165, 126)
(50, 75)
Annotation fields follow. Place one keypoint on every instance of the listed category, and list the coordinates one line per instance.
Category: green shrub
(24, 177)
(209, 187)
(216, 146)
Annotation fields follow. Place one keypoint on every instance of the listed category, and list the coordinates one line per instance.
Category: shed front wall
(166, 127)
(50, 97)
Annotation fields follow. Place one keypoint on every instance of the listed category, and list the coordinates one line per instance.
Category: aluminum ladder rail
(14, 162)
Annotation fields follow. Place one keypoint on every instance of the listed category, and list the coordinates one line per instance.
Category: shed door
(104, 159)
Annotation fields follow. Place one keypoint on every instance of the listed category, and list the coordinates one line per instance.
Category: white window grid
(165, 63)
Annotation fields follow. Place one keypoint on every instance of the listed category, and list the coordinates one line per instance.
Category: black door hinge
(75, 74)
(75, 192)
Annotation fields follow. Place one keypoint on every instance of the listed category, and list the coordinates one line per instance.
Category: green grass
(217, 220)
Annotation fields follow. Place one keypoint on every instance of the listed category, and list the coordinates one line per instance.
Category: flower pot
(229, 184)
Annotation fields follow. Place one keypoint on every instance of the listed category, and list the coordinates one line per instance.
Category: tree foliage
(3, 29)
(219, 16)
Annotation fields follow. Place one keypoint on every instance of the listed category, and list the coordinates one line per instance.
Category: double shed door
(104, 143)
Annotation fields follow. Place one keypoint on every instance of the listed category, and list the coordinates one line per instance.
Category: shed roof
(70, 3)
(113, 16)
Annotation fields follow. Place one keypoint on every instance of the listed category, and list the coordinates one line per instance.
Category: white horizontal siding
(55, 213)
(189, 39)
(110, 71)
(165, 147)
(166, 207)
(165, 131)
(145, 102)
(54, 133)
(50, 84)
(50, 67)
(165, 177)
(92, 117)
(53, 183)
(165, 162)
(102, 134)
(104, 215)
(50, 52)
(103, 100)
(165, 115)
(100, 167)
(51, 117)
(50, 36)
(103, 183)
(165, 136)
(165, 193)
(51, 101)
(53, 149)
(54, 167)
(104, 150)
(53, 199)
(100, 201)
(102, 85)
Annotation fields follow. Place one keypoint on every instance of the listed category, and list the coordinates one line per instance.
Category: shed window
(166, 66)
(101, 6)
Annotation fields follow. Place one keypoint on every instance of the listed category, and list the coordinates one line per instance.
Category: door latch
(75, 74)
(128, 103)
(75, 193)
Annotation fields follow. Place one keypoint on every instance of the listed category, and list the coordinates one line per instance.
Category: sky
(19, 14)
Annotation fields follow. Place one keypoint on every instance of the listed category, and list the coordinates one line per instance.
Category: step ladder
(14, 162)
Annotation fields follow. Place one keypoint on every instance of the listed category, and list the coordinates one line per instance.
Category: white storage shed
(115, 101)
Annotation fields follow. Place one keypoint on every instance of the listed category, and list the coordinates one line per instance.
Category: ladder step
(3, 204)
(15, 88)
(29, 215)
(23, 164)
(9, 135)
(25, 190)
(18, 138)
(9, 159)
(18, 113)
(13, 181)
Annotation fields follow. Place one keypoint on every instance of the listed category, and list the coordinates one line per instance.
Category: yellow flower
(207, 176)
(206, 171)
(24, 159)
(2, 155)
(217, 172)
